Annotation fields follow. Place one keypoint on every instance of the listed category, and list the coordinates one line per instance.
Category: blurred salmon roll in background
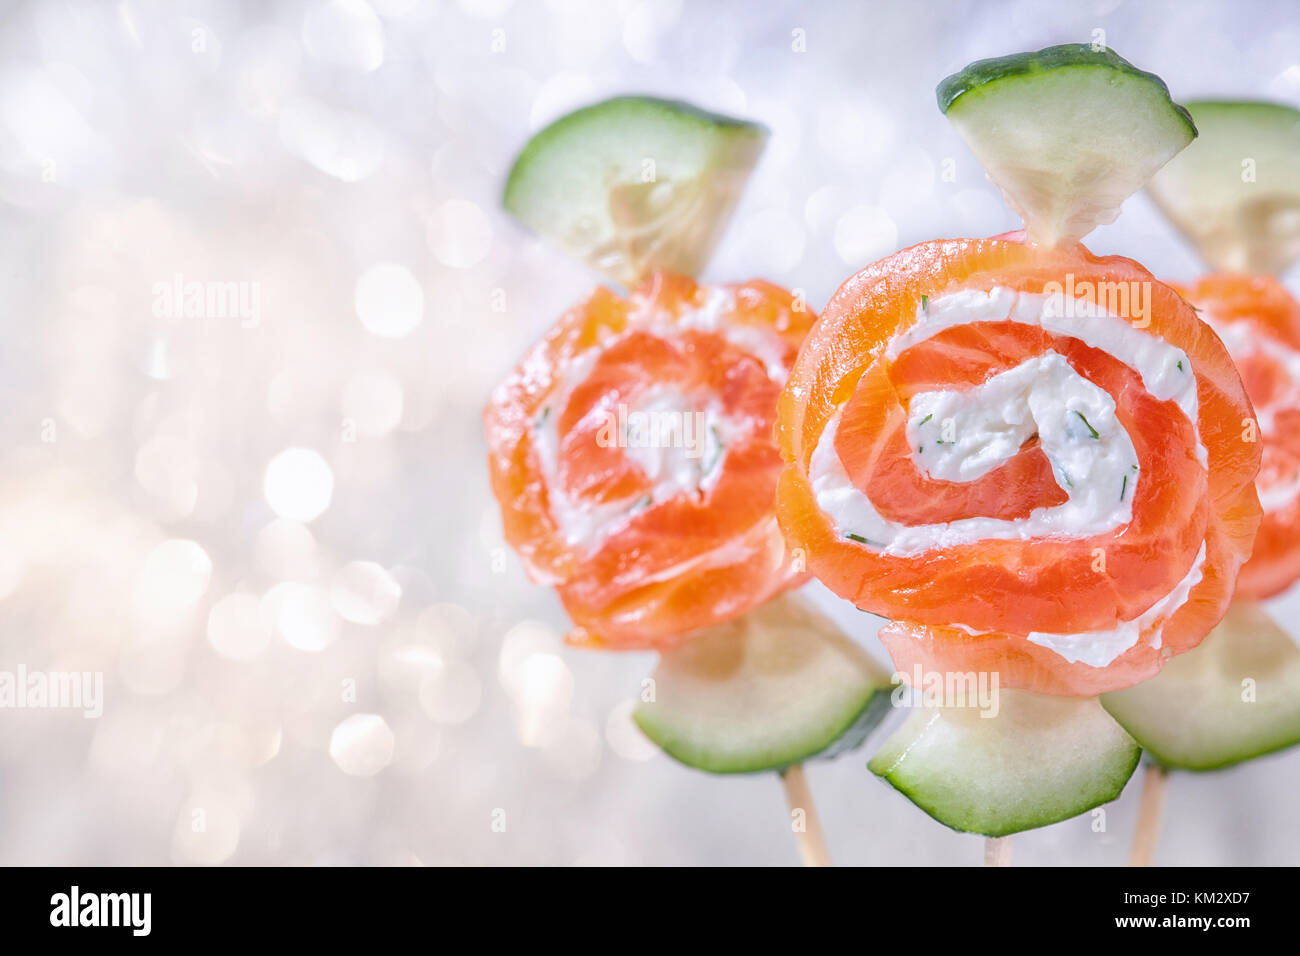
(1259, 322)
(633, 457)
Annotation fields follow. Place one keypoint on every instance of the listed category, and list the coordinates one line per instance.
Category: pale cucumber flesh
(1038, 760)
(633, 184)
(1234, 697)
(776, 687)
(1067, 133)
(1235, 192)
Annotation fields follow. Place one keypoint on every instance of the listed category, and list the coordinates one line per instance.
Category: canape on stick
(1235, 195)
(1237, 696)
(633, 457)
(1030, 458)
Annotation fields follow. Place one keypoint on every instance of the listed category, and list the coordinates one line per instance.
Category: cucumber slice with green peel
(1067, 133)
(635, 183)
(1236, 696)
(1235, 193)
(776, 687)
(1037, 761)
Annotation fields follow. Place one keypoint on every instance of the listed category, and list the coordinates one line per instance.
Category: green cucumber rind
(1280, 110)
(1234, 227)
(1132, 713)
(1196, 706)
(965, 813)
(1209, 766)
(878, 707)
(1101, 796)
(983, 73)
(1067, 134)
(839, 738)
(635, 106)
(580, 184)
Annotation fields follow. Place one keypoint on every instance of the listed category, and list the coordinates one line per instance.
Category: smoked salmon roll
(632, 452)
(1035, 461)
(1259, 322)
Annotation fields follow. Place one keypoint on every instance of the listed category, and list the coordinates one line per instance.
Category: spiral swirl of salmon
(632, 452)
(1035, 462)
(1259, 322)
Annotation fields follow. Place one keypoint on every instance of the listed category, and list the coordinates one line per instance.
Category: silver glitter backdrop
(262, 514)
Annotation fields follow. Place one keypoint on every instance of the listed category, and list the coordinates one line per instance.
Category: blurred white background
(270, 527)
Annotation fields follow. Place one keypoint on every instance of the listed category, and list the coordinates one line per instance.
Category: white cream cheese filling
(1165, 369)
(988, 424)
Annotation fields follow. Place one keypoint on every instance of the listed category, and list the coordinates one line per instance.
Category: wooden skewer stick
(997, 851)
(1154, 780)
(803, 817)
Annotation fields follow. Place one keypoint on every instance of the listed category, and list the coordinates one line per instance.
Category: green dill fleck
(940, 441)
(1180, 365)
(1134, 467)
(1095, 433)
(1123, 489)
(643, 503)
(925, 304)
(921, 449)
(1066, 479)
(926, 418)
(541, 419)
(861, 540)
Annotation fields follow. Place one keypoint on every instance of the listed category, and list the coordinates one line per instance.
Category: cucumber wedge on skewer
(1038, 761)
(773, 688)
(1067, 133)
(1235, 193)
(635, 183)
(1236, 696)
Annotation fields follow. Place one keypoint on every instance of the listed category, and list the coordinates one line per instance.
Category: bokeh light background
(275, 537)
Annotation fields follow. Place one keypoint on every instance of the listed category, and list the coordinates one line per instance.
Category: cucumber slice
(1067, 133)
(1235, 194)
(1192, 716)
(773, 688)
(1039, 760)
(635, 183)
